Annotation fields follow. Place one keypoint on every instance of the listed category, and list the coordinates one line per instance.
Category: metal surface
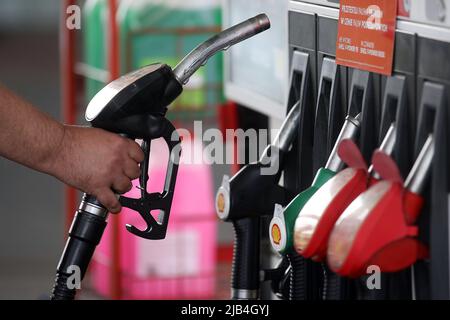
(417, 178)
(288, 129)
(222, 41)
(328, 3)
(93, 209)
(424, 30)
(349, 131)
(313, 8)
(387, 146)
(243, 294)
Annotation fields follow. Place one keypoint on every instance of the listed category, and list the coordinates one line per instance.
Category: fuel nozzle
(317, 216)
(387, 147)
(119, 107)
(360, 237)
(134, 106)
(418, 175)
(282, 224)
(416, 181)
(349, 131)
(221, 41)
(249, 191)
(283, 140)
(281, 229)
(285, 136)
(246, 197)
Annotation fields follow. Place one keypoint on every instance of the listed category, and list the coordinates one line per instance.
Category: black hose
(334, 287)
(84, 235)
(298, 280)
(60, 290)
(325, 282)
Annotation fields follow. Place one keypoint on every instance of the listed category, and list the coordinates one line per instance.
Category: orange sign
(366, 34)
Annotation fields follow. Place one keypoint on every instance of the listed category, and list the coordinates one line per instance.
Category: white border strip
(422, 29)
(322, 3)
(313, 8)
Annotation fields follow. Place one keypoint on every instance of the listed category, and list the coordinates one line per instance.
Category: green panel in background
(93, 26)
(159, 31)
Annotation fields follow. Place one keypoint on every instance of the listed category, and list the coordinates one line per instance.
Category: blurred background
(31, 204)
(59, 70)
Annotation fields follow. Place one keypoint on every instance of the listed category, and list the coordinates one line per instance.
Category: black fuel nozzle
(248, 195)
(134, 106)
(119, 106)
(252, 191)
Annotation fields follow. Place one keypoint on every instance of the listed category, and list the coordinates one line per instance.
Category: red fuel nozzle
(376, 228)
(317, 218)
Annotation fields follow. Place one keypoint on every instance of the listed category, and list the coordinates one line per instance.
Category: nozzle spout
(387, 146)
(221, 41)
(350, 130)
(417, 178)
(288, 129)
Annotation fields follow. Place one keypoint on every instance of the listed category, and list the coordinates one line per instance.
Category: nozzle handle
(245, 268)
(221, 41)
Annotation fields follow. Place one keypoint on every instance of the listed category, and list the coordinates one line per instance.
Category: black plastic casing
(148, 95)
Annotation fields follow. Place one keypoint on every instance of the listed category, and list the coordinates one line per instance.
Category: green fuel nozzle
(281, 227)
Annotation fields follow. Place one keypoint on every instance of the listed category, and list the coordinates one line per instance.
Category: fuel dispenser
(415, 98)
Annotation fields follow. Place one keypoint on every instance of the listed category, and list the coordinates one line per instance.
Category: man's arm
(91, 160)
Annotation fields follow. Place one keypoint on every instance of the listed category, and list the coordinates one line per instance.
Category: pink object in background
(182, 266)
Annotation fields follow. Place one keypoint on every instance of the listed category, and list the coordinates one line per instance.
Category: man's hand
(97, 162)
(92, 160)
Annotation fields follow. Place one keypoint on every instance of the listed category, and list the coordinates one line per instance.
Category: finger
(135, 152)
(109, 200)
(122, 185)
(131, 170)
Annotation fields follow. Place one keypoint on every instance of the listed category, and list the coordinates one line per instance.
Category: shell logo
(276, 234)
(221, 203)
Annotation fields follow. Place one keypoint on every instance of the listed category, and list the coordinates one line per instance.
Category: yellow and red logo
(221, 202)
(276, 234)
